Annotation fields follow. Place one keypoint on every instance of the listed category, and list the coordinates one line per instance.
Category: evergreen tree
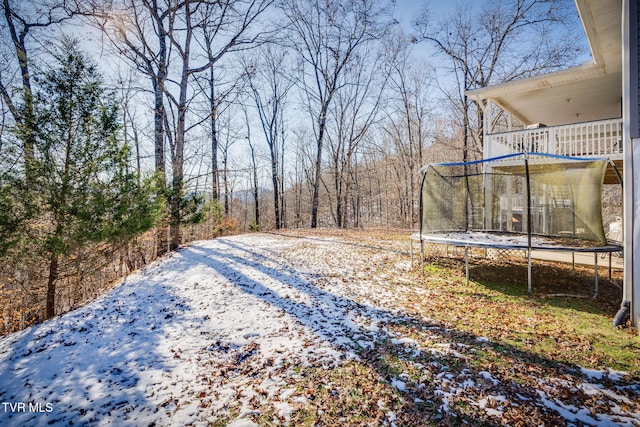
(12, 210)
(84, 189)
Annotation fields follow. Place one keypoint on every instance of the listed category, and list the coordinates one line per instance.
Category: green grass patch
(495, 304)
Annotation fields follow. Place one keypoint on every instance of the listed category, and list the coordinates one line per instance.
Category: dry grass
(530, 344)
(483, 353)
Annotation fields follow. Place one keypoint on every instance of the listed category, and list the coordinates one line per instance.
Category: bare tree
(226, 28)
(172, 41)
(407, 121)
(355, 110)
(486, 47)
(139, 33)
(21, 19)
(299, 189)
(229, 136)
(327, 36)
(127, 85)
(254, 171)
(269, 84)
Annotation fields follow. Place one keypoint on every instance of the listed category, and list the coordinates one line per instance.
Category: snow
(487, 376)
(598, 374)
(573, 414)
(217, 331)
(399, 384)
(141, 353)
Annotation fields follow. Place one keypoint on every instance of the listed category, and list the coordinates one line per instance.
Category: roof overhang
(591, 91)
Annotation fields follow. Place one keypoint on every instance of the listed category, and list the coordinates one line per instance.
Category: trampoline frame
(528, 242)
(482, 239)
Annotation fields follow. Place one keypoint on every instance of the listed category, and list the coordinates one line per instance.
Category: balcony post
(486, 138)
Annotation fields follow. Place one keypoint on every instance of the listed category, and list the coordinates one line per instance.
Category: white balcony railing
(601, 138)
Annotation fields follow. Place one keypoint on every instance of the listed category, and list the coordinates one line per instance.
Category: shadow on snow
(105, 358)
(91, 362)
(367, 332)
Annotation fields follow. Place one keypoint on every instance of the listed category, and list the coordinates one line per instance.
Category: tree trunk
(215, 173)
(276, 190)
(256, 203)
(158, 121)
(159, 117)
(27, 117)
(315, 198)
(51, 285)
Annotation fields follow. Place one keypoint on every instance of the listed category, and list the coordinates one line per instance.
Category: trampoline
(522, 201)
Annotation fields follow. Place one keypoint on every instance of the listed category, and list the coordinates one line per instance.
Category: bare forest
(132, 127)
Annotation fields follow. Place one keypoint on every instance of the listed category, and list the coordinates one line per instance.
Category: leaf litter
(310, 328)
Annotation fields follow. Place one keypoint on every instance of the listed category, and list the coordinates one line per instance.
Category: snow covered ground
(217, 331)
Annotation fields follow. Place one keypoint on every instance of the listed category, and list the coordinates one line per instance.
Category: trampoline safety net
(524, 193)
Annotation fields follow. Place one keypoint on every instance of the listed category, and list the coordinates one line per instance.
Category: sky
(407, 9)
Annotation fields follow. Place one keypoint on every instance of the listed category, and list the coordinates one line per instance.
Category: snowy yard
(264, 329)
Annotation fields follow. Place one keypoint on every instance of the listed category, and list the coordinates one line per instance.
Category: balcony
(602, 138)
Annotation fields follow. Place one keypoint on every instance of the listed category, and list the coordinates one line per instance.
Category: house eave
(590, 91)
(570, 75)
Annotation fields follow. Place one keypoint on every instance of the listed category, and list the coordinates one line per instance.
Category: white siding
(631, 127)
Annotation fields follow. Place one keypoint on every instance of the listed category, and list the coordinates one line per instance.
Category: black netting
(493, 195)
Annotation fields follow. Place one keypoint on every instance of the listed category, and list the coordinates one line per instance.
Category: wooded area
(130, 127)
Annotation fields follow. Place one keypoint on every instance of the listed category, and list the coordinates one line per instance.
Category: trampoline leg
(411, 251)
(595, 263)
(466, 262)
(529, 271)
(421, 256)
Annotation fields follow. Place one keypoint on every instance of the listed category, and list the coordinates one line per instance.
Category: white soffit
(591, 91)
